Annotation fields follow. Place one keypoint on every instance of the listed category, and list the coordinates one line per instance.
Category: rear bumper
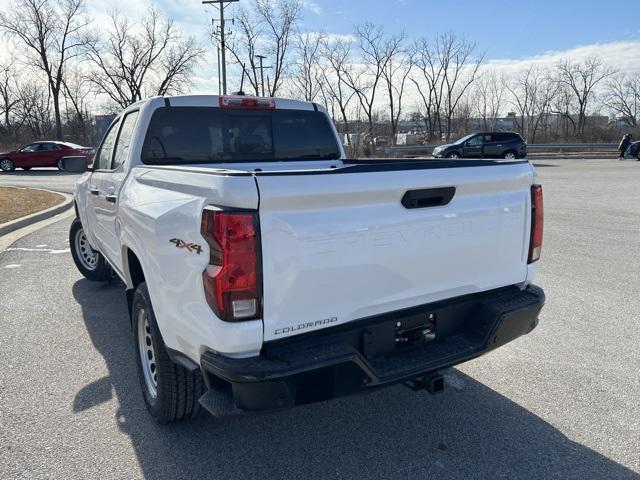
(367, 354)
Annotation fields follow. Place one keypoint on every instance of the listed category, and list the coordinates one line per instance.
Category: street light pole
(221, 6)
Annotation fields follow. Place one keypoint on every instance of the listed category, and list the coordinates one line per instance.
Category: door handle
(428, 197)
(111, 198)
(94, 191)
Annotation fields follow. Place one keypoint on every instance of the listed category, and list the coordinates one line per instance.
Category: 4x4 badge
(192, 247)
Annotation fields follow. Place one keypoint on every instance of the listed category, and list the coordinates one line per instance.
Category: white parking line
(48, 250)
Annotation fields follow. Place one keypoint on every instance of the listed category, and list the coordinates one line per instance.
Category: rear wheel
(170, 391)
(510, 155)
(6, 165)
(89, 262)
(453, 155)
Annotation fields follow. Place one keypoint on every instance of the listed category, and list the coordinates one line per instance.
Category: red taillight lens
(232, 280)
(537, 223)
(239, 101)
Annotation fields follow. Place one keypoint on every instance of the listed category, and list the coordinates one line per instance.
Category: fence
(539, 148)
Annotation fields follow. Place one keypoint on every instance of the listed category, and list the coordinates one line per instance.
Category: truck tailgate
(340, 246)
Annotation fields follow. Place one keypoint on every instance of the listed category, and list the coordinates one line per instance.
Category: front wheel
(6, 165)
(90, 262)
(60, 165)
(453, 155)
(170, 391)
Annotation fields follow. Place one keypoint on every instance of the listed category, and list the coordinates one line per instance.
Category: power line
(221, 5)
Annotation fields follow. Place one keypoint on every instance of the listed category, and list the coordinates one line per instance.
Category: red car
(42, 154)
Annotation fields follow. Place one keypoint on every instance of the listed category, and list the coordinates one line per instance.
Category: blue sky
(503, 28)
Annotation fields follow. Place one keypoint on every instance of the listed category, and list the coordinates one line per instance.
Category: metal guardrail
(537, 147)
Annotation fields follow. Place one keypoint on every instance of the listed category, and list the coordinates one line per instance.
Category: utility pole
(221, 5)
(262, 57)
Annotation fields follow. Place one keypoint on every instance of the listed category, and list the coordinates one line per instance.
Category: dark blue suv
(508, 145)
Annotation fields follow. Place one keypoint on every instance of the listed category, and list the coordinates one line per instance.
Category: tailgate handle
(428, 197)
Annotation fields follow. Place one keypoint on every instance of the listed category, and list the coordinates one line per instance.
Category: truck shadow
(470, 431)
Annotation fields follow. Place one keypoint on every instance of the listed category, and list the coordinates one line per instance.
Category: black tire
(26, 169)
(454, 155)
(60, 164)
(177, 390)
(510, 154)
(98, 269)
(7, 165)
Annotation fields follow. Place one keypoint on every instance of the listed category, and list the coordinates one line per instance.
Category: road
(49, 178)
(562, 402)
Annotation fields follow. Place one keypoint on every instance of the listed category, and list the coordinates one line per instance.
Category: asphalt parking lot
(562, 402)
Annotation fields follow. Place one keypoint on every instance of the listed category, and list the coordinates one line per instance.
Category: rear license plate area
(399, 335)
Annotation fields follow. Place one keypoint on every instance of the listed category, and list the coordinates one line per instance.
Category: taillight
(240, 101)
(232, 280)
(537, 223)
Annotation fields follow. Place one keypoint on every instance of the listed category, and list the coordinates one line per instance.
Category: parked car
(42, 154)
(507, 145)
(264, 270)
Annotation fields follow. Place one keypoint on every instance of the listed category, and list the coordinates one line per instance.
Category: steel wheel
(6, 165)
(147, 354)
(87, 255)
(509, 156)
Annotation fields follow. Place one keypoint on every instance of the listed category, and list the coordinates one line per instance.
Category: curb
(9, 227)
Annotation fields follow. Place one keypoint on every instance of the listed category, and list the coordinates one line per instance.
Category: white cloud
(313, 7)
(619, 55)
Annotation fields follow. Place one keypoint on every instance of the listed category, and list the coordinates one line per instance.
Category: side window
(124, 140)
(103, 158)
(31, 148)
(48, 147)
(489, 138)
(477, 140)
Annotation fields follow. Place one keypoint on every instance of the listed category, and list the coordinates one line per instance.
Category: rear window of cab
(178, 135)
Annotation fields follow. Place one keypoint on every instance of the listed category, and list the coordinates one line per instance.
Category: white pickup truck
(264, 270)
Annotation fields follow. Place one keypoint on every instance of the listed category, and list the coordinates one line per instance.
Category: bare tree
(77, 92)
(149, 57)
(460, 70)
(446, 70)
(306, 75)
(489, 98)
(9, 97)
(581, 79)
(395, 74)
(364, 78)
(50, 31)
(336, 53)
(523, 89)
(623, 97)
(427, 78)
(244, 47)
(267, 29)
(33, 111)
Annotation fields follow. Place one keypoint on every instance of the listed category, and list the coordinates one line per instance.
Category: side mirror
(75, 164)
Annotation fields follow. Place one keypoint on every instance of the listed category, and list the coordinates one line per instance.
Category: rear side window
(124, 140)
(103, 159)
(208, 134)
